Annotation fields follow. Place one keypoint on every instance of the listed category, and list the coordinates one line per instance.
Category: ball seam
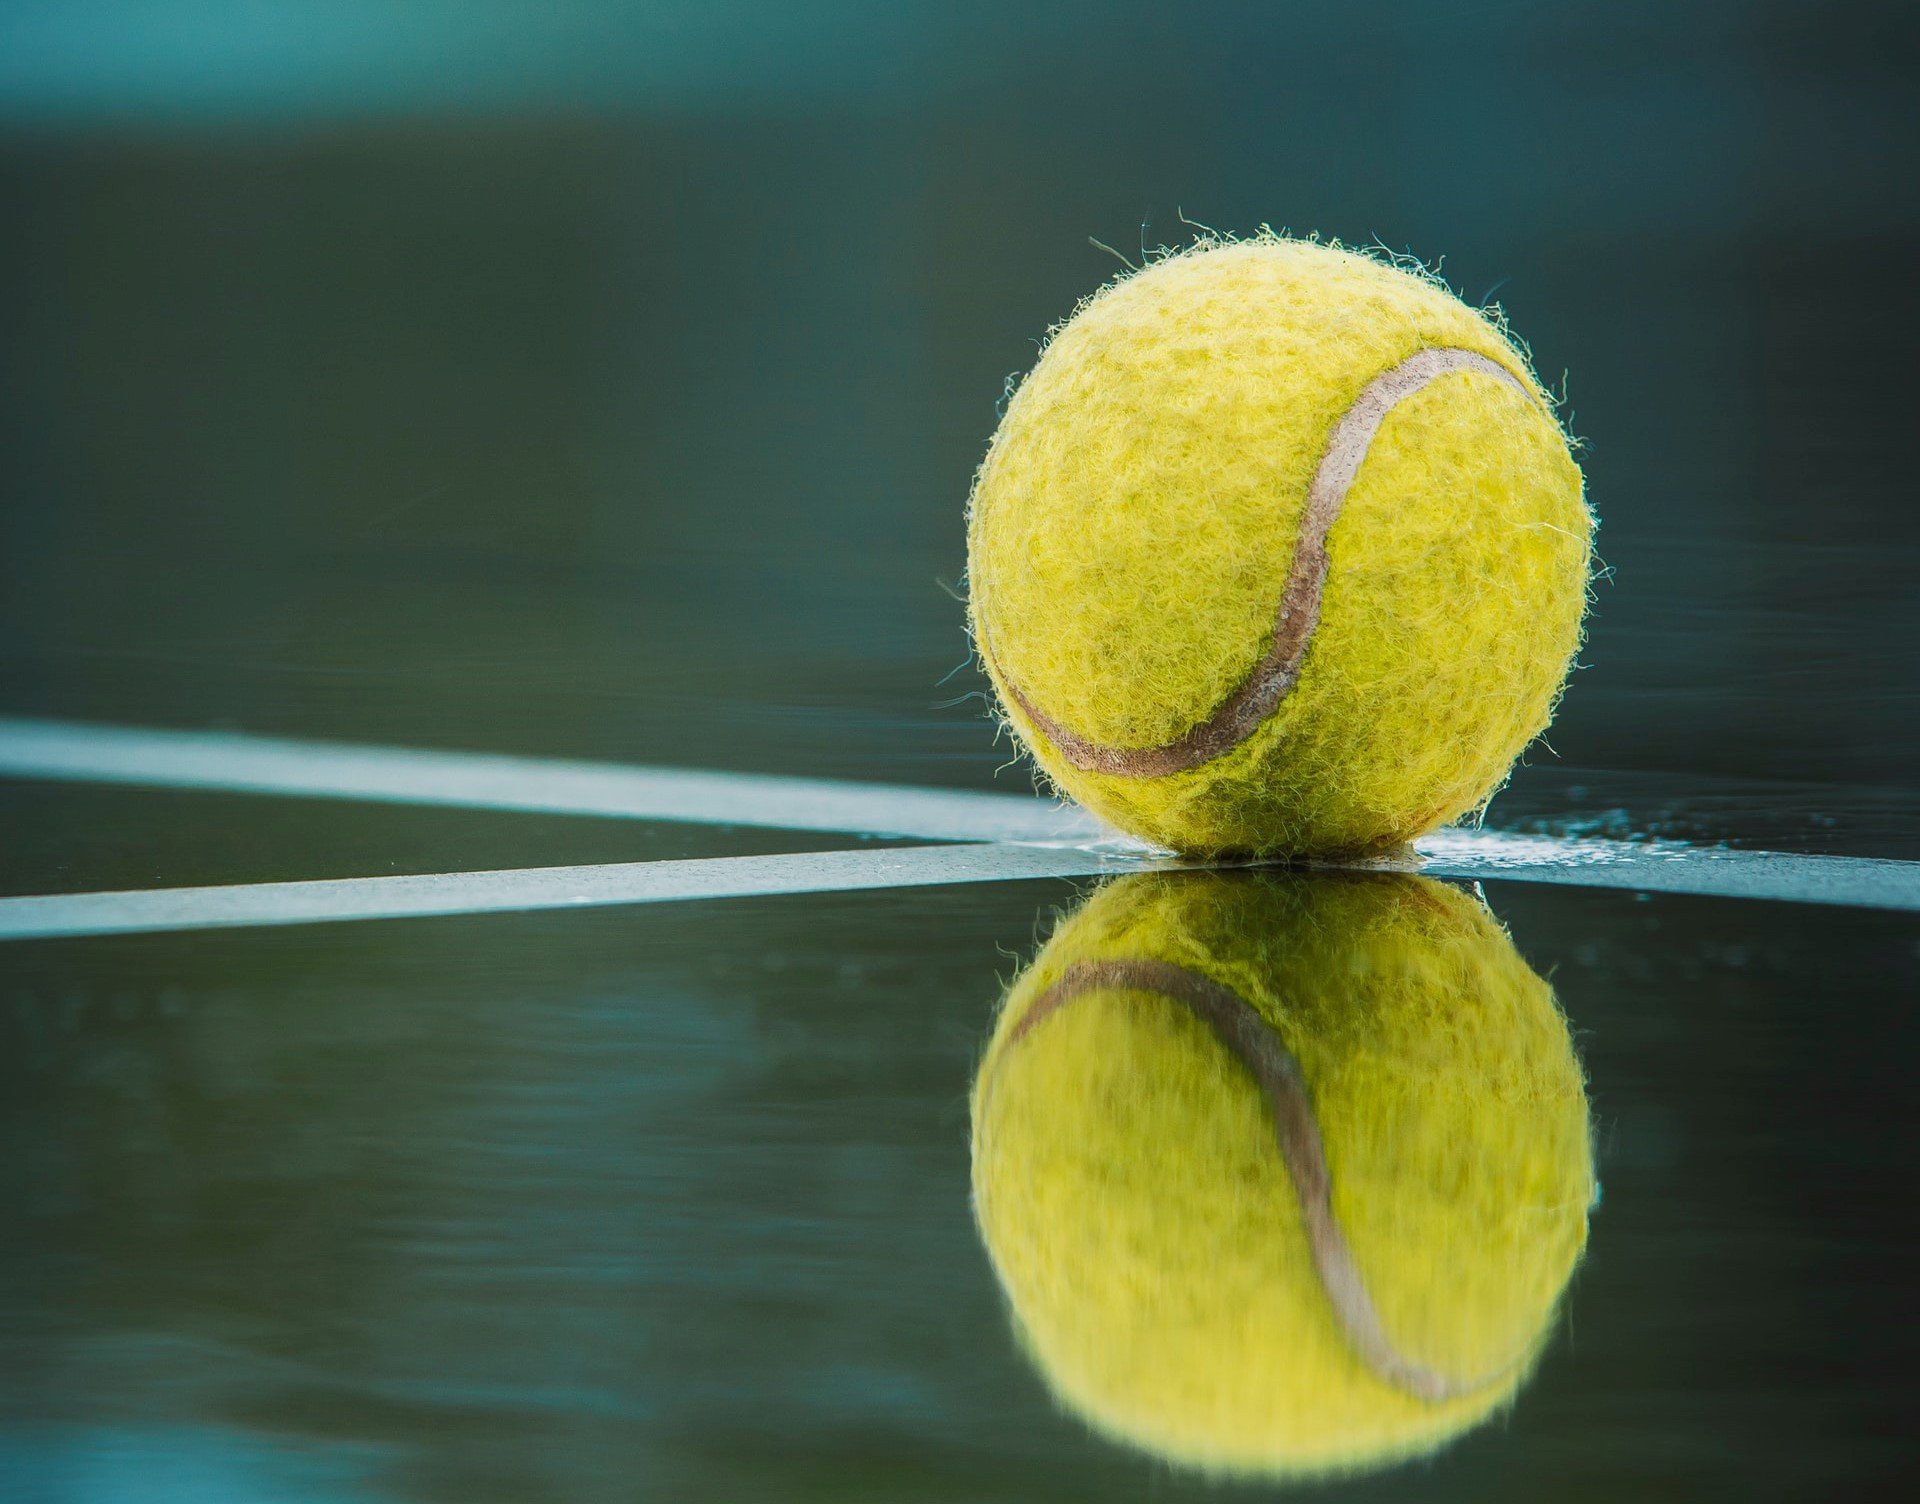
(1259, 694)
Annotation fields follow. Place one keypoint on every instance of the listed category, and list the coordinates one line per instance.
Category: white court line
(57, 915)
(234, 762)
(1595, 864)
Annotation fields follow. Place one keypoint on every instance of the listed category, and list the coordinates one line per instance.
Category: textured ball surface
(1278, 549)
(1280, 1175)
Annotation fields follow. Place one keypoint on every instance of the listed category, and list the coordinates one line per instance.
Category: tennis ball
(1278, 549)
(1281, 1175)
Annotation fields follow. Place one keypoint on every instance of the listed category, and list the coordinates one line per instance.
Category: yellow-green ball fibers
(1278, 549)
(1178, 1270)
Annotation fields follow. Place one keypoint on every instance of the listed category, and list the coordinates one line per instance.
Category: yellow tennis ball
(1278, 548)
(1281, 1175)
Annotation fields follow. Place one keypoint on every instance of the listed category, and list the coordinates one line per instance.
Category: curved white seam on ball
(1243, 711)
(1251, 1040)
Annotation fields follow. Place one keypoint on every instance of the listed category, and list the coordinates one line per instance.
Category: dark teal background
(606, 380)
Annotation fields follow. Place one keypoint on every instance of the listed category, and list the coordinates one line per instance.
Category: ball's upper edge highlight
(1251, 1040)
(1242, 712)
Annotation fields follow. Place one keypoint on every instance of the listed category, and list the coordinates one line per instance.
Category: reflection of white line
(1595, 864)
(999, 823)
(538, 888)
(235, 763)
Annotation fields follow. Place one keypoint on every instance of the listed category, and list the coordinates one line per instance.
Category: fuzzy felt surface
(1134, 525)
(1145, 1225)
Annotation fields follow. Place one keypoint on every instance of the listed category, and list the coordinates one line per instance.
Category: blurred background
(606, 379)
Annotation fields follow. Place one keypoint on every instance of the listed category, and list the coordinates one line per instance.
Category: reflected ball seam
(1240, 1029)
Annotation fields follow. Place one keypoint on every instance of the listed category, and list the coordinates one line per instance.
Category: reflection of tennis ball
(1281, 1175)
(1278, 548)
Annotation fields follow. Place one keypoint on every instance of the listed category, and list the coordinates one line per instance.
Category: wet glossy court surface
(675, 1197)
